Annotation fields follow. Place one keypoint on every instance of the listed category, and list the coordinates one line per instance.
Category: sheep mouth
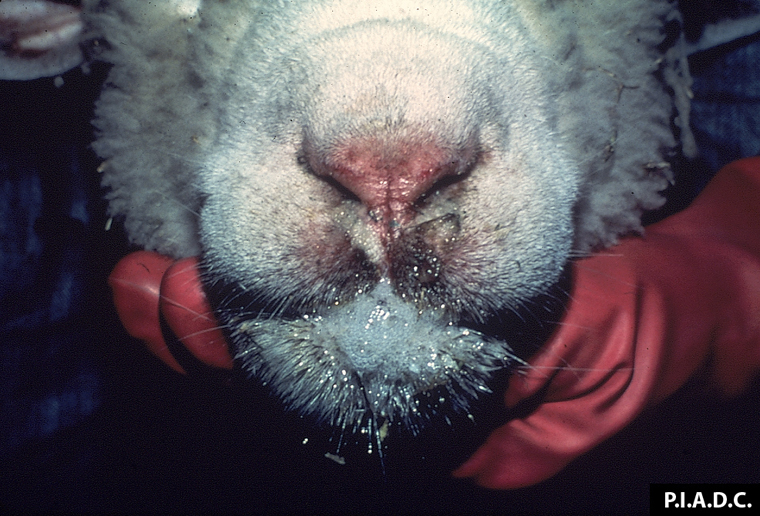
(377, 359)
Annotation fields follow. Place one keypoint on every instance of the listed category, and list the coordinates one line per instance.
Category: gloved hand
(147, 284)
(643, 317)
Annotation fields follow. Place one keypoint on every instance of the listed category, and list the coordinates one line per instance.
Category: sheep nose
(388, 177)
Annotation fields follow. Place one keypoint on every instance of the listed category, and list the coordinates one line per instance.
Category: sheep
(234, 130)
(259, 135)
(543, 144)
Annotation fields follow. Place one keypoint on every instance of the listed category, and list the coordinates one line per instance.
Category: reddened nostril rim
(388, 174)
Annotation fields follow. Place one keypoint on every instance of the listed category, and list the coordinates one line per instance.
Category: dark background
(90, 421)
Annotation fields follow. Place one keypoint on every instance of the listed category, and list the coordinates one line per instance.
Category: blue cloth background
(49, 380)
(726, 105)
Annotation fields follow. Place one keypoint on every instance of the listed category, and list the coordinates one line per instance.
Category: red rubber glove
(145, 284)
(643, 317)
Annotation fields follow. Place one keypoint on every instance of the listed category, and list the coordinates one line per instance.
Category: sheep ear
(38, 38)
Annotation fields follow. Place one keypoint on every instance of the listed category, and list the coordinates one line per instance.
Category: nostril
(345, 192)
(389, 175)
(445, 182)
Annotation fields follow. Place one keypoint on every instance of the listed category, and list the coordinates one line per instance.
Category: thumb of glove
(146, 286)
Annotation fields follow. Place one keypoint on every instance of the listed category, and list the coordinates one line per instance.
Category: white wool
(616, 90)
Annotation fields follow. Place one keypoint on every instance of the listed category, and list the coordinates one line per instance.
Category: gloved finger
(189, 315)
(577, 359)
(627, 340)
(587, 380)
(136, 285)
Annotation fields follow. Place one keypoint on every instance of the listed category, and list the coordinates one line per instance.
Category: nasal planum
(390, 173)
